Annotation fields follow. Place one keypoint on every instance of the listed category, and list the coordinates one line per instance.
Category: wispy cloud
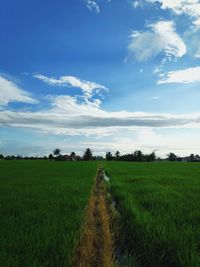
(154, 97)
(160, 38)
(188, 7)
(87, 87)
(192, 40)
(93, 6)
(10, 92)
(137, 3)
(185, 76)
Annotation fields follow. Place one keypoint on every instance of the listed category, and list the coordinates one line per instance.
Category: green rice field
(41, 209)
(159, 212)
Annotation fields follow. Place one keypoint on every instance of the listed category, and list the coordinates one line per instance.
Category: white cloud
(161, 37)
(69, 117)
(70, 106)
(163, 142)
(93, 6)
(192, 40)
(136, 4)
(148, 140)
(87, 87)
(189, 7)
(120, 130)
(185, 76)
(10, 92)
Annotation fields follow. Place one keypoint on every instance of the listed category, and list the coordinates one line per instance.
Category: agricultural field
(159, 212)
(42, 208)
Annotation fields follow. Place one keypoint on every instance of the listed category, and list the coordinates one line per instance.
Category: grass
(159, 206)
(42, 208)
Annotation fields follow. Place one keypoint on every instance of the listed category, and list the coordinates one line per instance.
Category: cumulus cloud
(188, 7)
(10, 92)
(184, 76)
(161, 37)
(87, 87)
(93, 6)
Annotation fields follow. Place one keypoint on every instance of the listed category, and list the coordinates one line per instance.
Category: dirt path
(96, 246)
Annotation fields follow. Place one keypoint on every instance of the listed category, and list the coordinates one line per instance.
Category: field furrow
(96, 247)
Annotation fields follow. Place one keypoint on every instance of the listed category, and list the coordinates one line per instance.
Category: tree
(117, 154)
(192, 157)
(109, 156)
(138, 156)
(172, 157)
(88, 154)
(51, 156)
(57, 151)
(152, 156)
(72, 155)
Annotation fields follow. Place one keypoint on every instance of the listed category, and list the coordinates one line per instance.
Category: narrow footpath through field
(96, 246)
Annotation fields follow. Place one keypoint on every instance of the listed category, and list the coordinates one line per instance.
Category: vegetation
(42, 210)
(42, 207)
(109, 156)
(137, 156)
(88, 154)
(171, 157)
(57, 151)
(159, 212)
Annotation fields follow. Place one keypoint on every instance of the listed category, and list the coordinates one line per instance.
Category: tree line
(87, 155)
(136, 156)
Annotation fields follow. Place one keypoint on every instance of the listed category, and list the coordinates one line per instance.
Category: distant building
(76, 158)
(67, 157)
(71, 157)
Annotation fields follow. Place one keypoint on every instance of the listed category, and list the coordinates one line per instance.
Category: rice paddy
(42, 208)
(44, 216)
(159, 207)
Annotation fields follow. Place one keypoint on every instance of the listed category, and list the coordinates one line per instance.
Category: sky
(106, 74)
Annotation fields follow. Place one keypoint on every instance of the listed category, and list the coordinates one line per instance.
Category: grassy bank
(42, 206)
(159, 212)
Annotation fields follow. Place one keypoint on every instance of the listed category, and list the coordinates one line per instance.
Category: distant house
(72, 157)
(99, 158)
(189, 159)
(185, 159)
(67, 157)
(76, 158)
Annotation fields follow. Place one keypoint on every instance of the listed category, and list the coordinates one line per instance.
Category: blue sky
(109, 75)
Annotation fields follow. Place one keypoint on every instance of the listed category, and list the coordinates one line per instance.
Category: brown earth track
(96, 246)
